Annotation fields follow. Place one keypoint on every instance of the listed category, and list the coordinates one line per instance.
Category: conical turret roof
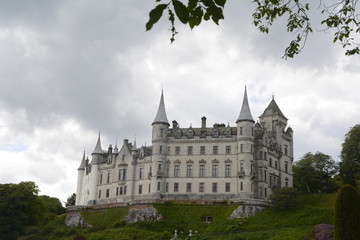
(98, 149)
(161, 113)
(82, 164)
(273, 109)
(245, 113)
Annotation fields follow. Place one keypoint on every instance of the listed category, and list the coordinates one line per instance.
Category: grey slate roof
(273, 109)
(82, 164)
(245, 113)
(161, 113)
(98, 149)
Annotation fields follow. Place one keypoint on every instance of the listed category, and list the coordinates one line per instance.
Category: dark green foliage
(285, 198)
(53, 207)
(313, 173)
(347, 214)
(79, 237)
(350, 157)
(340, 16)
(70, 201)
(121, 223)
(19, 207)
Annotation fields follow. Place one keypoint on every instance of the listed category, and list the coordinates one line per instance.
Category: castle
(238, 163)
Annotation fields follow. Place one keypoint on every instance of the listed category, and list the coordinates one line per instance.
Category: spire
(245, 114)
(82, 165)
(273, 109)
(134, 147)
(161, 113)
(98, 149)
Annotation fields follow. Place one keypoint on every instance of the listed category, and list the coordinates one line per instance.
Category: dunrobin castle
(240, 163)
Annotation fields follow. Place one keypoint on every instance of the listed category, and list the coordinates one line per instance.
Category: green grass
(269, 224)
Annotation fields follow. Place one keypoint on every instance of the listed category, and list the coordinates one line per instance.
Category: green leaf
(220, 2)
(181, 11)
(155, 15)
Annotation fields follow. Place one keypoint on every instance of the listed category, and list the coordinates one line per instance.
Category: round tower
(160, 127)
(245, 141)
(80, 183)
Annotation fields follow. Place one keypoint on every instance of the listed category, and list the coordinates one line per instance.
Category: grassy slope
(269, 224)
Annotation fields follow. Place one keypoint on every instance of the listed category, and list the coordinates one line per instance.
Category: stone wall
(140, 213)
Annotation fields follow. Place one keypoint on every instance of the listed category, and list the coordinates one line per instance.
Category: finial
(273, 95)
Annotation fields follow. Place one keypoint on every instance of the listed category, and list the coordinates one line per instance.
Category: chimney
(175, 124)
(203, 122)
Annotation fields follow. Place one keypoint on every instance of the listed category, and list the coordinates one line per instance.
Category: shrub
(233, 228)
(347, 214)
(80, 237)
(285, 198)
(119, 224)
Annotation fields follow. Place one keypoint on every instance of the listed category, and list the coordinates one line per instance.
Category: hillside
(269, 224)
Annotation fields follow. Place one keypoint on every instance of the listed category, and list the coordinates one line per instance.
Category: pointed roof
(98, 149)
(245, 113)
(161, 113)
(273, 109)
(82, 164)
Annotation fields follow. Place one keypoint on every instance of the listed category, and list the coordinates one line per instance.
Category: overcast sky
(71, 68)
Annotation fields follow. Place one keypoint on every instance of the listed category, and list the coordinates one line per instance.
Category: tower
(80, 185)
(97, 159)
(160, 127)
(245, 142)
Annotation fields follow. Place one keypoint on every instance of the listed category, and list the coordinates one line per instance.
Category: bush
(285, 198)
(347, 214)
(119, 224)
(80, 237)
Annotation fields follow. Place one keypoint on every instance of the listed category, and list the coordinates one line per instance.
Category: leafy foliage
(347, 214)
(350, 156)
(70, 201)
(285, 198)
(19, 207)
(314, 173)
(340, 17)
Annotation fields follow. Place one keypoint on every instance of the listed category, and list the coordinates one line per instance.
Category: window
(215, 149)
(161, 149)
(260, 155)
(167, 187)
(260, 174)
(276, 164)
(140, 189)
(108, 178)
(124, 190)
(168, 150)
(149, 190)
(286, 150)
(241, 147)
(202, 149)
(260, 192)
(214, 187)
(270, 162)
(227, 187)
(176, 187)
(188, 187)
(265, 191)
(100, 179)
(107, 193)
(158, 186)
(265, 156)
(227, 170)
(159, 167)
(202, 171)
(176, 170)
(286, 184)
(177, 150)
(161, 132)
(201, 187)
(241, 131)
(99, 194)
(190, 150)
(241, 186)
(141, 173)
(189, 171)
(167, 170)
(122, 174)
(228, 150)
(117, 191)
(121, 190)
(215, 170)
(265, 175)
(286, 167)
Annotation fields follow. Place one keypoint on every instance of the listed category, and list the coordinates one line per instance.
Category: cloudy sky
(71, 68)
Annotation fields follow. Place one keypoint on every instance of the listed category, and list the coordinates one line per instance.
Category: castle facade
(245, 162)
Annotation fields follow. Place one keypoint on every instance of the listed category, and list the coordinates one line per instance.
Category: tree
(19, 207)
(350, 157)
(340, 16)
(53, 205)
(314, 173)
(347, 214)
(71, 200)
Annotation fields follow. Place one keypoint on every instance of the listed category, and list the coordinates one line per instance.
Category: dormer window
(216, 133)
